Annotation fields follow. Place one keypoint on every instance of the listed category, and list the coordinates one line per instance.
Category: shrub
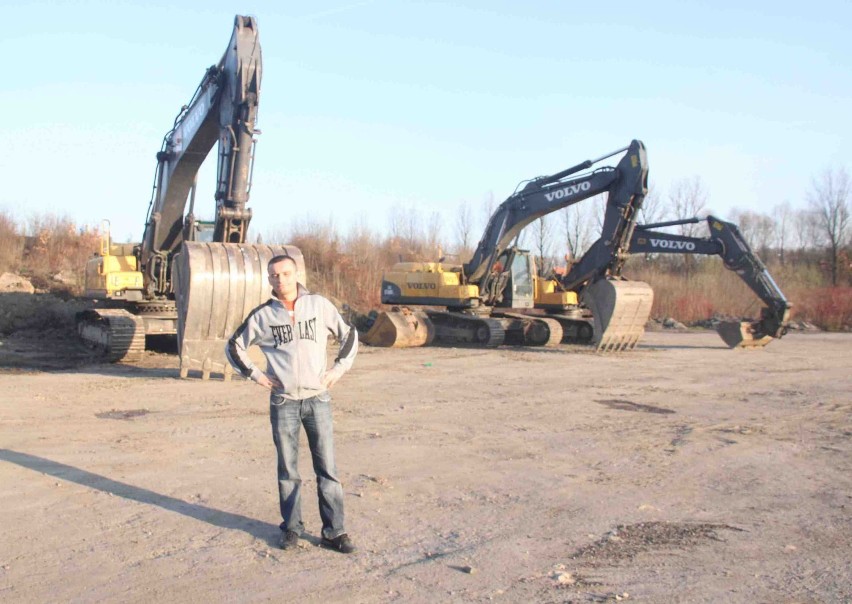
(829, 308)
(11, 244)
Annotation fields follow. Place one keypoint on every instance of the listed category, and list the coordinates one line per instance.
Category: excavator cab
(512, 280)
(520, 288)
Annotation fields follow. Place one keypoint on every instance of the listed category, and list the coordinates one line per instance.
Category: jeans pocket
(324, 397)
(276, 400)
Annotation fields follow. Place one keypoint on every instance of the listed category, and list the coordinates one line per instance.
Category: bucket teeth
(620, 309)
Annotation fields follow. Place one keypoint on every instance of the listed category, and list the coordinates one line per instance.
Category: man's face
(282, 278)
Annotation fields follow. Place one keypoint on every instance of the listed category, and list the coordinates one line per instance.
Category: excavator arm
(223, 109)
(726, 241)
(625, 185)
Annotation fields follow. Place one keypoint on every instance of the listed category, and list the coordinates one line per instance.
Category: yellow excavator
(498, 297)
(188, 277)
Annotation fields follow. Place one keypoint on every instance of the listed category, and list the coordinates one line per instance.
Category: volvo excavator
(189, 277)
(557, 297)
(726, 241)
(492, 299)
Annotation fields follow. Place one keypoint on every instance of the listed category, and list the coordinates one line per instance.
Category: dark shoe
(341, 543)
(289, 540)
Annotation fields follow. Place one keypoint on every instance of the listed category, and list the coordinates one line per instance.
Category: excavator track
(575, 331)
(528, 330)
(116, 335)
(459, 328)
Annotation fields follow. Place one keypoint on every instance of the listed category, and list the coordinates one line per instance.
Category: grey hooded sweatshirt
(295, 349)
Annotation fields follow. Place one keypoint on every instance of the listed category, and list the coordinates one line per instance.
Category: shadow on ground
(227, 520)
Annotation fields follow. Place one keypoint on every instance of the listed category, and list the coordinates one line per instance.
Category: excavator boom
(726, 241)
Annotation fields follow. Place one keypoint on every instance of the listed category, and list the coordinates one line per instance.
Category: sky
(371, 107)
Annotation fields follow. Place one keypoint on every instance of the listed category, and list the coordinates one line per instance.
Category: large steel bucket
(742, 334)
(401, 329)
(620, 309)
(217, 286)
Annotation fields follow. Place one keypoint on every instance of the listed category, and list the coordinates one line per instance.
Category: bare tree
(782, 217)
(758, 230)
(407, 233)
(488, 208)
(464, 230)
(829, 199)
(575, 227)
(396, 221)
(542, 239)
(653, 207)
(805, 230)
(433, 236)
(688, 198)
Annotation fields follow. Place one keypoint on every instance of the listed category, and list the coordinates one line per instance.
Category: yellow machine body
(549, 297)
(113, 273)
(428, 283)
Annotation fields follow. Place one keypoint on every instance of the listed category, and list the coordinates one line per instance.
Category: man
(292, 329)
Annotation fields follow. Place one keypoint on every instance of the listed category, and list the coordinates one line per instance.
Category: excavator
(492, 299)
(189, 277)
(590, 302)
(556, 295)
(726, 241)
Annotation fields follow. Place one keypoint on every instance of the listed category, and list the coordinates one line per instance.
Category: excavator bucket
(218, 284)
(742, 334)
(401, 328)
(621, 309)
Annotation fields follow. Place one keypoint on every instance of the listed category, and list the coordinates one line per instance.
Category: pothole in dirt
(627, 541)
(125, 414)
(631, 406)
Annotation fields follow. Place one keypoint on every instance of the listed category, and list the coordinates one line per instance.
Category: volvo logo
(569, 190)
(673, 245)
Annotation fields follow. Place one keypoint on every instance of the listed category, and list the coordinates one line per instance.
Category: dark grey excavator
(726, 241)
(188, 277)
(492, 298)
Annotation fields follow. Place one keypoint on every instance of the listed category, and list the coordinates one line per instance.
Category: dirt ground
(679, 472)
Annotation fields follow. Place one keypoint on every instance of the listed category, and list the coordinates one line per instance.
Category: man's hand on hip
(268, 382)
(330, 379)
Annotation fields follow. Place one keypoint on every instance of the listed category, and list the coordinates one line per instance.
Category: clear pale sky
(367, 105)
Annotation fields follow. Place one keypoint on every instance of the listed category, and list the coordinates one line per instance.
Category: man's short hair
(281, 257)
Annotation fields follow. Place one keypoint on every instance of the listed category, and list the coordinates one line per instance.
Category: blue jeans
(315, 415)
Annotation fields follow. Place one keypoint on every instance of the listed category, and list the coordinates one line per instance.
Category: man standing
(292, 329)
